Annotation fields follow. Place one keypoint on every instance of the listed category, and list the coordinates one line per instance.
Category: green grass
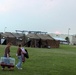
(60, 61)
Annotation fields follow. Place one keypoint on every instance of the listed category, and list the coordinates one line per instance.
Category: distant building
(72, 38)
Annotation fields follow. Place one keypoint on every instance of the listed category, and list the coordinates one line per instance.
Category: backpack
(26, 55)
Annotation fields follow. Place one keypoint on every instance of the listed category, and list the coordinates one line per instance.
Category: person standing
(19, 54)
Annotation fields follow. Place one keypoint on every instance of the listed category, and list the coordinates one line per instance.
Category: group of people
(20, 54)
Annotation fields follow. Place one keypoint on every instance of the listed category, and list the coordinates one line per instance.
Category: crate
(4, 61)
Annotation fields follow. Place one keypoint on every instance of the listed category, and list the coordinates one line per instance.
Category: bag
(26, 54)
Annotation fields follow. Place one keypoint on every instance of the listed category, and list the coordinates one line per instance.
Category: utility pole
(68, 35)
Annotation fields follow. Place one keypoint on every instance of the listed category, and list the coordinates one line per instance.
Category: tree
(68, 40)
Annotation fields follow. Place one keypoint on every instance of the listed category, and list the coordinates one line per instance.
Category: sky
(52, 16)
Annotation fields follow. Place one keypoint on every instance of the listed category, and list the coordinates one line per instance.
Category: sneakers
(3, 68)
(18, 67)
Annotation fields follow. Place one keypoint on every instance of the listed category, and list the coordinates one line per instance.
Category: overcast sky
(38, 15)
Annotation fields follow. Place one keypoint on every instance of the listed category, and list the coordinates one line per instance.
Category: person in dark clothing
(19, 54)
(29, 43)
(7, 51)
(40, 43)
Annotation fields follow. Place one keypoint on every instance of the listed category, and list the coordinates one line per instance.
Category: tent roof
(32, 36)
(4, 35)
(45, 36)
(17, 35)
(39, 36)
(59, 39)
(7, 34)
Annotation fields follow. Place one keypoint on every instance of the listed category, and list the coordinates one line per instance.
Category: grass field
(61, 61)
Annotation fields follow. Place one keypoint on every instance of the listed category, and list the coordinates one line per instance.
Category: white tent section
(2, 40)
(62, 40)
(59, 39)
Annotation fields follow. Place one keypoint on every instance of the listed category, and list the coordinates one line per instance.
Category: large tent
(41, 40)
(14, 38)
